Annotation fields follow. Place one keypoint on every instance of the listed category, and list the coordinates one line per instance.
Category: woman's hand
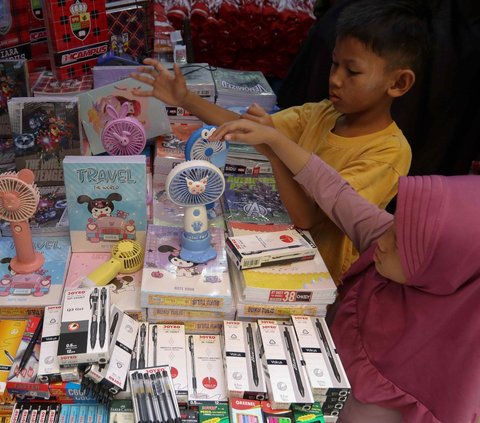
(167, 87)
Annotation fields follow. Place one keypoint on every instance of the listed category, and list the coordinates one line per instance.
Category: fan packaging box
(77, 33)
(84, 332)
(123, 332)
(243, 365)
(48, 368)
(324, 367)
(287, 380)
(206, 378)
(262, 249)
(166, 344)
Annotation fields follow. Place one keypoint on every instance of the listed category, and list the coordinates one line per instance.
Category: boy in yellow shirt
(379, 49)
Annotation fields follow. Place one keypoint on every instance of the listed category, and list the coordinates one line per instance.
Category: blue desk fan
(194, 184)
(198, 147)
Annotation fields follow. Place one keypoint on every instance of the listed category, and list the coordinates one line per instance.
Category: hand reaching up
(168, 87)
(245, 131)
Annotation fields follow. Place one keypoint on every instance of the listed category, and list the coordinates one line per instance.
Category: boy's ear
(403, 79)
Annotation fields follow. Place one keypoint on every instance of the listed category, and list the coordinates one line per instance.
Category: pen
(153, 399)
(141, 359)
(171, 401)
(113, 325)
(9, 356)
(293, 359)
(137, 394)
(148, 399)
(133, 360)
(94, 323)
(192, 356)
(103, 320)
(30, 347)
(327, 349)
(157, 391)
(253, 358)
(163, 395)
(154, 340)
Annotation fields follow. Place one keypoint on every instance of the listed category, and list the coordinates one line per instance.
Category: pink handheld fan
(19, 198)
(123, 135)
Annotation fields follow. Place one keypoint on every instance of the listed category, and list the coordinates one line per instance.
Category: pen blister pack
(22, 379)
(243, 365)
(84, 333)
(153, 396)
(48, 367)
(166, 344)
(123, 332)
(285, 373)
(206, 377)
(35, 412)
(324, 367)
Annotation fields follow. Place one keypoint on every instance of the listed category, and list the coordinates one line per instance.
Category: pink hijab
(416, 347)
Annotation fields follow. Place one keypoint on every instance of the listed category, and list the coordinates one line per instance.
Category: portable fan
(198, 147)
(18, 202)
(127, 257)
(193, 184)
(123, 135)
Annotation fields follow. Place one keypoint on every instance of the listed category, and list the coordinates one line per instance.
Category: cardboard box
(48, 367)
(84, 334)
(261, 249)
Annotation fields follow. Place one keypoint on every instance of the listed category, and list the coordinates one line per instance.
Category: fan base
(30, 267)
(198, 256)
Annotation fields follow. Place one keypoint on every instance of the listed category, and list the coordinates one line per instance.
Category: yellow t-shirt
(371, 164)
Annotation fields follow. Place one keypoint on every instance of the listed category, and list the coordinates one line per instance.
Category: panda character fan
(193, 184)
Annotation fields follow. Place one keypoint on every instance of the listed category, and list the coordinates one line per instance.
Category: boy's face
(359, 79)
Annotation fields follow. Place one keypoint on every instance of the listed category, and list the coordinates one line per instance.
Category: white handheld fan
(123, 135)
(19, 198)
(193, 184)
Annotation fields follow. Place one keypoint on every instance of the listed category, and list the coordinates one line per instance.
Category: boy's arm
(172, 90)
(360, 220)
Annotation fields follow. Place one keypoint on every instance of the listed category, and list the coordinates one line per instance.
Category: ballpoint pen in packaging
(328, 351)
(113, 325)
(141, 356)
(154, 342)
(133, 360)
(191, 348)
(94, 317)
(103, 319)
(251, 350)
(293, 361)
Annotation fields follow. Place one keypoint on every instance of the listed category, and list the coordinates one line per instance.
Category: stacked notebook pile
(172, 284)
(294, 283)
(236, 88)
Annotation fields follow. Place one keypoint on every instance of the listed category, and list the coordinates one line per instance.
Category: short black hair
(396, 30)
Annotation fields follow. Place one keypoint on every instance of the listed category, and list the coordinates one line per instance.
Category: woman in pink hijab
(408, 326)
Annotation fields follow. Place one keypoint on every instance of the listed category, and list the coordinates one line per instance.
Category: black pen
(94, 323)
(139, 398)
(154, 340)
(327, 349)
(163, 395)
(158, 392)
(253, 358)
(141, 358)
(9, 356)
(103, 320)
(192, 356)
(148, 398)
(30, 347)
(171, 400)
(133, 360)
(113, 325)
(293, 359)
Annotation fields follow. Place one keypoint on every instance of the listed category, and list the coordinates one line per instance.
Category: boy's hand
(167, 87)
(245, 131)
(257, 114)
